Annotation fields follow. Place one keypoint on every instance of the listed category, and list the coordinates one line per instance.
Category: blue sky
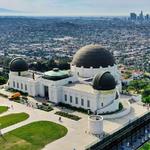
(77, 7)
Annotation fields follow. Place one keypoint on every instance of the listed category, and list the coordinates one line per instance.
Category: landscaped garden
(3, 109)
(67, 115)
(12, 119)
(146, 146)
(33, 136)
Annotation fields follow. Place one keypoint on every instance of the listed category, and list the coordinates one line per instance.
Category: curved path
(76, 129)
(76, 137)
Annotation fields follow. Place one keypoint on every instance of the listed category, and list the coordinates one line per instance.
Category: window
(82, 102)
(88, 103)
(76, 100)
(102, 104)
(21, 86)
(13, 83)
(17, 85)
(70, 99)
(65, 97)
(25, 87)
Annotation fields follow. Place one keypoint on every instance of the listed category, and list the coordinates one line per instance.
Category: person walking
(12, 107)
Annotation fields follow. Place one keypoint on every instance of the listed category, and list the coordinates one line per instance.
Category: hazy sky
(77, 7)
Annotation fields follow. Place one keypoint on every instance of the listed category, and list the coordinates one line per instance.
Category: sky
(77, 7)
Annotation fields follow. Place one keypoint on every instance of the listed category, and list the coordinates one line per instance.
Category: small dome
(18, 65)
(104, 82)
(56, 74)
(93, 56)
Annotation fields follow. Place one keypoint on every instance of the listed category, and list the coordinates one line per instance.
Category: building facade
(93, 83)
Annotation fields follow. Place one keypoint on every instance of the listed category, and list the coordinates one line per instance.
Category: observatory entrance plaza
(77, 137)
(93, 84)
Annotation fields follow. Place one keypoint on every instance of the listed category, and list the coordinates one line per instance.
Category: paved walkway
(76, 136)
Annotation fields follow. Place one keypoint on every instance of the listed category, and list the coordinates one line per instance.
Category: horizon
(73, 8)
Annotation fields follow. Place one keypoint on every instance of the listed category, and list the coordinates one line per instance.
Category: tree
(2, 80)
(146, 95)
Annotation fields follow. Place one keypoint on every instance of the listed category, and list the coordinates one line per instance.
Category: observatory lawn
(3, 109)
(12, 119)
(33, 136)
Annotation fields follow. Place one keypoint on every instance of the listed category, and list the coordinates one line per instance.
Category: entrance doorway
(46, 92)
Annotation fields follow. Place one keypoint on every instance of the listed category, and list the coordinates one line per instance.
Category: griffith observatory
(92, 83)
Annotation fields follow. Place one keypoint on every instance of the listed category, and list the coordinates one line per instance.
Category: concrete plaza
(77, 137)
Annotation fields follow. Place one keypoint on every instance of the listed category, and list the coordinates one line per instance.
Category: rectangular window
(70, 99)
(82, 102)
(102, 104)
(88, 103)
(25, 87)
(21, 86)
(65, 97)
(17, 85)
(76, 100)
(13, 83)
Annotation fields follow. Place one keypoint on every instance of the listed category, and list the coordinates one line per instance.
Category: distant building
(141, 16)
(133, 16)
(147, 17)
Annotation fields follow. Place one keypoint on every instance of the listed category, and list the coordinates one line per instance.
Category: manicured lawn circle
(12, 119)
(3, 109)
(33, 136)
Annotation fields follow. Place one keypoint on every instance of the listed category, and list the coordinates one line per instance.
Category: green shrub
(45, 107)
(14, 90)
(74, 108)
(67, 115)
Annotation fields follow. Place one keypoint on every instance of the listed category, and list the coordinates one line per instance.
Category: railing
(119, 132)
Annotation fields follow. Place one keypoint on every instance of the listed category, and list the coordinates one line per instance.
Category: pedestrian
(59, 118)
(12, 107)
(1, 133)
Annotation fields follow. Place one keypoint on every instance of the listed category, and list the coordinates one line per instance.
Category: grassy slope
(11, 119)
(146, 146)
(3, 109)
(33, 136)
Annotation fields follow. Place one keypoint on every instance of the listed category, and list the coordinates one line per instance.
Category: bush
(73, 108)
(14, 90)
(3, 95)
(120, 106)
(45, 108)
(67, 115)
(3, 80)
(146, 95)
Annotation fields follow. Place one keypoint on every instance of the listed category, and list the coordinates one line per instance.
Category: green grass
(12, 119)
(3, 109)
(146, 146)
(33, 136)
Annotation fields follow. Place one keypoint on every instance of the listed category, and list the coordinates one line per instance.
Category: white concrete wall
(80, 95)
(95, 126)
(90, 72)
(110, 108)
(27, 85)
(123, 113)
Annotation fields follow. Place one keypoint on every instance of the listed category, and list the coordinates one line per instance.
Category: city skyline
(73, 8)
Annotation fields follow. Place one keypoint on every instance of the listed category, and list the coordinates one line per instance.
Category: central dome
(93, 56)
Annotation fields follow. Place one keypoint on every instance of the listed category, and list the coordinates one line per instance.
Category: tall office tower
(141, 16)
(147, 17)
(133, 16)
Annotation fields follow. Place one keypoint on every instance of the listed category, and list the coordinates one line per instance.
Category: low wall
(120, 114)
